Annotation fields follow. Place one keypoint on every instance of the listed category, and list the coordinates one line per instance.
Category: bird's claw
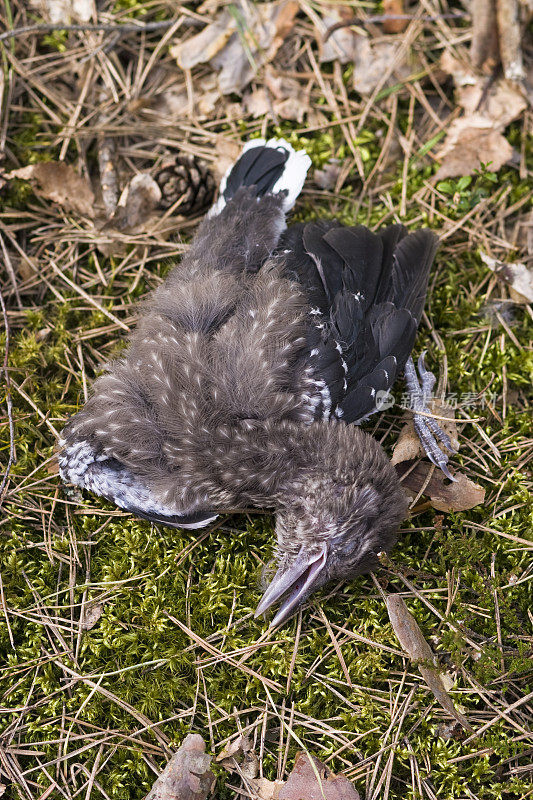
(426, 427)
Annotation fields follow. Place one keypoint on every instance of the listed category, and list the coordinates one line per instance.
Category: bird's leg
(426, 427)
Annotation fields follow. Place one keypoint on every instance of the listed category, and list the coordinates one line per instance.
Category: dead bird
(245, 369)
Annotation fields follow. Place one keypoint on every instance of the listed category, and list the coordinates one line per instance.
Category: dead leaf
(500, 100)
(66, 11)
(238, 756)
(290, 101)
(310, 779)
(303, 783)
(413, 642)
(267, 790)
(450, 730)
(239, 43)
(394, 8)
(187, 775)
(502, 103)
(471, 142)
(92, 613)
(235, 749)
(517, 275)
(342, 43)
(372, 59)
(249, 768)
(205, 45)
(408, 445)
(477, 137)
(283, 22)
(59, 182)
(444, 495)
(52, 468)
(257, 103)
(228, 151)
(136, 204)
(326, 178)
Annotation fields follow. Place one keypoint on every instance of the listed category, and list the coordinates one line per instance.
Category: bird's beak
(296, 581)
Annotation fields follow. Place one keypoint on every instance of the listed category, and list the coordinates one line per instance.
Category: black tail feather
(260, 167)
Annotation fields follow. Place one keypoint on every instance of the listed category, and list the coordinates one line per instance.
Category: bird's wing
(84, 462)
(366, 292)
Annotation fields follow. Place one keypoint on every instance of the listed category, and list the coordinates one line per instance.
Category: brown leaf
(201, 48)
(408, 445)
(444, 496)
(477, 136)
(52, 468)
(413, 642)
(239, 44)
(290, 101)
(499, 100)
(59, 182)
(313, 780)
(235, 749)
(470, 142)
(342, 43)
(501, 103)
(187, 775)
(267, 790)
(517, 275)
(326, 178)
(257, 103)
(136, 204)
(228, 151)
(310, 779)
(394, 8)
(92, 614)
(249, 768)
(373, 59)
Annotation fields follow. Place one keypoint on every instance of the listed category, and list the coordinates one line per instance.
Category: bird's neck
(267, 465)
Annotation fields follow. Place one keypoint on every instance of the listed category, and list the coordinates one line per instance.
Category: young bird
(245, 369)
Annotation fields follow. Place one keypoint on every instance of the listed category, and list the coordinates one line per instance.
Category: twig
(9, 404)
(49, 27)
(108, 173)
(390, 18)
(510, 31)
(484, 45)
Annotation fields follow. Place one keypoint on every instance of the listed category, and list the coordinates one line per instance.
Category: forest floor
(118, 637)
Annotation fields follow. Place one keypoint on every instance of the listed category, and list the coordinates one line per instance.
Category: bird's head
(336, 516)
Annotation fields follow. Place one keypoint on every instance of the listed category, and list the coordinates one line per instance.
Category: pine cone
(189, 180)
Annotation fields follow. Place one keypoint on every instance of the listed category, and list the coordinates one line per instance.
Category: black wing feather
(367, 293)
(412, 262)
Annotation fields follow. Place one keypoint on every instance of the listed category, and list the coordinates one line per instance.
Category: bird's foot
(426, 426)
